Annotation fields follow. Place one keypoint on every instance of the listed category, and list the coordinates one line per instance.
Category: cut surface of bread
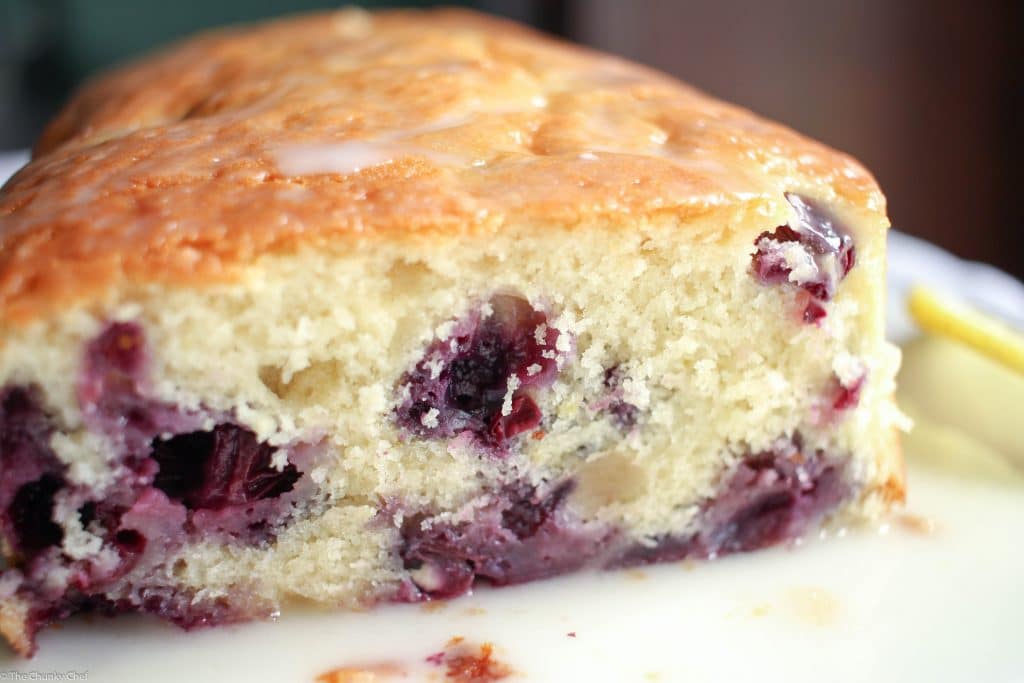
(353, 308)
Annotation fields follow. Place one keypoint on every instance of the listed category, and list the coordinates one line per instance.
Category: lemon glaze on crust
(170, 170)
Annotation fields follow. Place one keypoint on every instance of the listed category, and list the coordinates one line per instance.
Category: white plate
(895, 605)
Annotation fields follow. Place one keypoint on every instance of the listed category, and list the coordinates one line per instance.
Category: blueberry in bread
(354, 307)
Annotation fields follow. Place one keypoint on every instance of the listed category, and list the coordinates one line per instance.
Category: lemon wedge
(939, 315)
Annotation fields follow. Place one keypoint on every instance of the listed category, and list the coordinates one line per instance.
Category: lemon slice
(942, 316)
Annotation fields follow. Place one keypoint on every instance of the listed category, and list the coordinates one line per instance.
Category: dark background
(929, 94)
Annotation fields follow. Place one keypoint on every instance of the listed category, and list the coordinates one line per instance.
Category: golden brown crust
(894, 489)
(184, 166)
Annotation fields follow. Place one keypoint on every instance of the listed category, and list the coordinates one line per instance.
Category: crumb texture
(379, 425)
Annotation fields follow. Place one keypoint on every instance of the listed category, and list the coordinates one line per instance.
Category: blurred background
(929, 94)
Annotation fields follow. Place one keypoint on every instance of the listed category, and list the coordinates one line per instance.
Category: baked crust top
(326, 128)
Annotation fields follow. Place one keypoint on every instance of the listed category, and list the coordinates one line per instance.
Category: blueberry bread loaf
(354, 308)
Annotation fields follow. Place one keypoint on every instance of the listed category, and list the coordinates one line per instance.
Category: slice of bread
(357, 307)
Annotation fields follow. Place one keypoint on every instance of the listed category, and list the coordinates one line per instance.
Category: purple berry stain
(845, 397)
(481, 378)
(518, 537)
(112, 392)
(769, 498)
(177, 481)
(820, 242)
(219, 468)
(624, 414)
(525, 533)
(31, 473)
